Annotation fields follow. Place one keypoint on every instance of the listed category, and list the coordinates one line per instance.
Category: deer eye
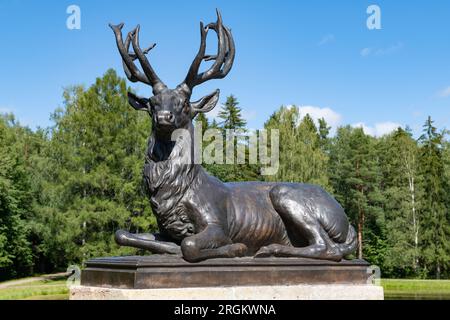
(186, 106)
(151, 107)
(154, 105)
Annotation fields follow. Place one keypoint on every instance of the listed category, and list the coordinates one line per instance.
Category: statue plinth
(167, 271)
(171, 277)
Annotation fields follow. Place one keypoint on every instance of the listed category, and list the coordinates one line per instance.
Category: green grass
(393, 289)
(36, 290)
(416, 289)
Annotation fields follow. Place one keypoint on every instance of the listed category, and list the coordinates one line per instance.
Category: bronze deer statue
(201, 217)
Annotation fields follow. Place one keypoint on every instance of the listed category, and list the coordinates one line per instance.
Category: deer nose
(165, 117)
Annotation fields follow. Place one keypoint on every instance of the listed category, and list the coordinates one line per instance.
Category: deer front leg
(146, 241)
(211, 243)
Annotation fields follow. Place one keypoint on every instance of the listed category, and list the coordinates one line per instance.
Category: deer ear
(136, 102)
(205, 104)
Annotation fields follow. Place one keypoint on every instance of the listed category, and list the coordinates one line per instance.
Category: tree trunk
(415, 223)
(360, 217)
(359, 239)
(360, 231)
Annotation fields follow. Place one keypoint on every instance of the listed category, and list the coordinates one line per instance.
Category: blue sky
(315, 54)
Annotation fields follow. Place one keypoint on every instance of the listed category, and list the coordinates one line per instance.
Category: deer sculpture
(200, 217)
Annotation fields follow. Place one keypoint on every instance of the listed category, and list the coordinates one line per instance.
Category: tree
(92, 178)
(324, 131)
(232, 124)
(64, 190)
(313, 162)
(16, 257)
(446, 158)
(301, 156)
(355, 177)
(435, 224)
(203, 121)
(403, 191)
(230, 113)
(214, 124)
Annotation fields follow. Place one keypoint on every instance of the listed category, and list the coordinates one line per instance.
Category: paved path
(32, 279)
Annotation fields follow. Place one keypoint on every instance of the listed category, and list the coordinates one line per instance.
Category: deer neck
(168, 180)
(167, 168)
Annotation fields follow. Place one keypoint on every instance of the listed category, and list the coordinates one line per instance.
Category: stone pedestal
(297, 292)
(170, 277)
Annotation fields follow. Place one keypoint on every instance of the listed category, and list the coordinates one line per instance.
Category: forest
(65, 189)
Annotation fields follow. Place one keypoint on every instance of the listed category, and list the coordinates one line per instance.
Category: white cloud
(367, 130)
(392, 49)
(381, 51)
(332, 118)
(380, 128)
(365, 52)
(444, 93)
(326, 39)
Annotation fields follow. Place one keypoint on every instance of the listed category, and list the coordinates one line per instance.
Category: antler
(133, 73)
(223, 61)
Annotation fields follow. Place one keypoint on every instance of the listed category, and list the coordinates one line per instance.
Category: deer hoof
(121, 237)
(268, 251)
(238, 250)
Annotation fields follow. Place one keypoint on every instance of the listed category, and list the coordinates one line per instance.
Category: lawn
(56, 289)
(47, 289)
(416, 289)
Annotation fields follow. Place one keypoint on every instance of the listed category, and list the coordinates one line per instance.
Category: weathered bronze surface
(201, 217)
(163, 271)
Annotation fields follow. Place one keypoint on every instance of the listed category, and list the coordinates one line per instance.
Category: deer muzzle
(165, 118)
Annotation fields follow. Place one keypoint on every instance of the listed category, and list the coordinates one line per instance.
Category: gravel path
(12, 283)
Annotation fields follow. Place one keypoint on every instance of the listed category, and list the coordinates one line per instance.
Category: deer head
(172, 109)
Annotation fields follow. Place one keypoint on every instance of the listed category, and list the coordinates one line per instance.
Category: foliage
(302, 158)
(232, 121)
(355, 176)
(64, 190)
(231, 115)
(15, 199)
(85, 176)
(435, 223)
(403, 189)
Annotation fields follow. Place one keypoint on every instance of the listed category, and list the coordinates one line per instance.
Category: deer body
(176, 190)
(201, 217)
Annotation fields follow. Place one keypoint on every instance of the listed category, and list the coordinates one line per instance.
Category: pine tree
(403, 192)
(214, 124)
(446, 157)
(355, 176)
(231, 115)
(324, 131)
(231, 124)
(435, 224)
(203, 121)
